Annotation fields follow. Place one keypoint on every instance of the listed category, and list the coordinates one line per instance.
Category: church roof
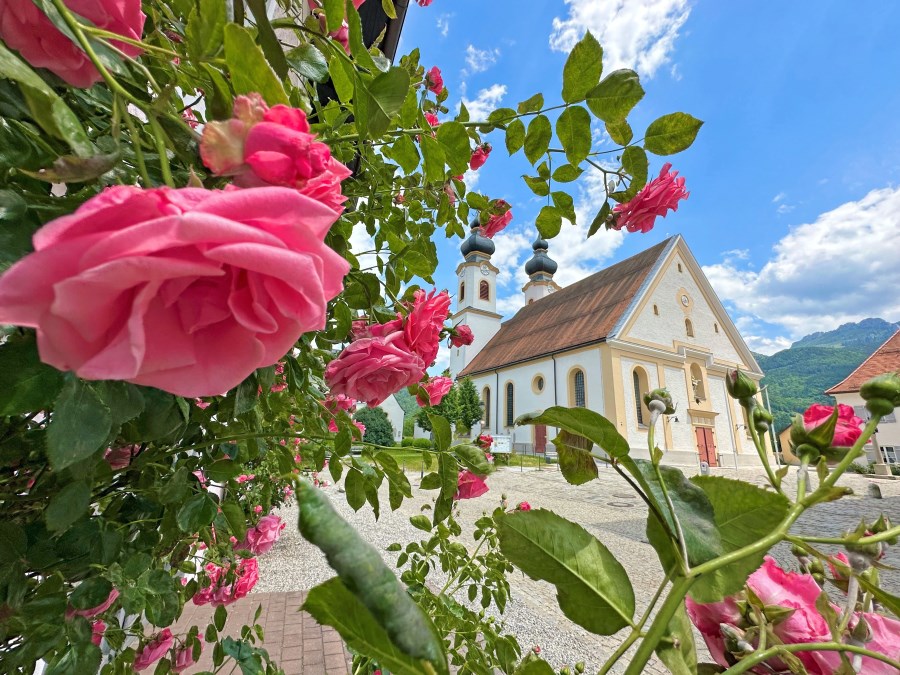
(584, 313)
(885, 359)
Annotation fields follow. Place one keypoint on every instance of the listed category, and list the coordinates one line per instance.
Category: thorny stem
(838, 541)
(682, 543)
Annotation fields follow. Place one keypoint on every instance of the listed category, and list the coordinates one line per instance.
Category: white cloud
(636, 34)
(737, 253)
(443, 24)
(784, 208)
(840, 268)
(361, 241)
(486, 101)
(765, 345)
(479, 60)
(470, 178)
(779, 197)
(510, 256)
(441, 361)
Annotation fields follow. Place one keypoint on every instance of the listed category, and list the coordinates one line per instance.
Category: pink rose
(432, 119)
(424, 3)
(885, 640)
(838, 574)
(523, 506)
(94, 611)
(480, 156)
(339, 402)
(425, 322)
(450, 192)
(98, 628)
(221, 593)
(434, 81)
(262, 146)
(708, 617)
(436, 388)
(184, 657)
(186, 290)
(154, 650)
(261, 538)
(497, 222)
(489, 457)
(363, 329)
(847, 431)
(191, 119)
(371, 369)
(462, 336)
(26, 29)
(119, 458)
(485, 441)
(332, 426)
(200, 403)
(469, 486)
(655, 199)
(361, 427)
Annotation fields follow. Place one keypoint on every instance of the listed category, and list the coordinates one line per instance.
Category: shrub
(378, 427)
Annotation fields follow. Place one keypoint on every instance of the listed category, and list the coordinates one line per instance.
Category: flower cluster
(656, 198)
(262, 537)
(227, 583)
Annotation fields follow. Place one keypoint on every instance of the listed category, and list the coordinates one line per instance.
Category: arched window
(716, 327)
(462, 291)
(578, 398)
(679, 267)
(484, 290)
(641, 387)
(486, 398)
(689, 328)
(656, 310)
(510, 412)
(697, 383)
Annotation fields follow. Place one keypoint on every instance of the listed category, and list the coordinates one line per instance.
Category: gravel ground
(605, 507)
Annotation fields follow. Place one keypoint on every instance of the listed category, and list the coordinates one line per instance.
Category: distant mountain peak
(860, 334)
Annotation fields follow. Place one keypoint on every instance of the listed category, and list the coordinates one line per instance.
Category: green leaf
(592, 587)
(380, 101)
(634, 161)
(124, 400)
(67, 506)
(13, 542)
(678, 651)
(357, 48)
(744, 514)
(564, 203)
(308, 62)
(433, 159)
(535, 667)
(430, 481)
(449, 474)
(573, 128)
(364, 576)
(582, 422)
(620, 132)
(28, 384)
(79, 425)
(515, 136)
(355, 488)
(442, 433)
(891, 602)
(582, 70)
(205, 29)
(334, 14)
(537, 139)
(220, 617)
(74, 169)
(501, 116)
(567, 173)
(472, 458)
(389, 9)
(421, 522)
(616, 95)
(198, 511)
(671, 133)
(599, 219)
(90, 593)
(539, 186)
(16, 229)
(548, 222)
(455, 142)
(532, 104)
(575, 460)
(342, 77)
(250, 72)
(237, 519)
(332, 604)
(48, 109)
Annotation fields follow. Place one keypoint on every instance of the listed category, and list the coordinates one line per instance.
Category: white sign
(502, 445)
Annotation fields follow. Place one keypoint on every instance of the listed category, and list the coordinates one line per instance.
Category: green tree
(446, 408)
(469, 408)
(378, 427)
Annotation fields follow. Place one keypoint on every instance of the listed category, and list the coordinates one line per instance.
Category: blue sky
(794, 210)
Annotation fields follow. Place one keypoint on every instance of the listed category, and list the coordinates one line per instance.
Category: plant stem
(839, 541)
(657, 631)
(760, 657)
(852, 596)
(136, 144)
(159, 138)
(464, 567)
(679, 533)
(763, 456)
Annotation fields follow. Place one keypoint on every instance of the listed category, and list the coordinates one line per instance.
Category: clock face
(485, 270)
(685, 300)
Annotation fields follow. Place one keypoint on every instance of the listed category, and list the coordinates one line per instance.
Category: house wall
(887, 435)
(395, 415)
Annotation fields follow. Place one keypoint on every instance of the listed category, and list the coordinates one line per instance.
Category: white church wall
(483, 329)
(721, 403)
(637, 438)
(682, 437)
(395, 416)
(669, 325)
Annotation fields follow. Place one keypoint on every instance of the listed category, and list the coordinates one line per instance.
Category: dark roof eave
(509, 364)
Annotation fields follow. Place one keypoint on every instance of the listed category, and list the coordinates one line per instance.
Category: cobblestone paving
(605, 507)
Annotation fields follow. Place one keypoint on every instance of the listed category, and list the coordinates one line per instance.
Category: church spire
(540, 269)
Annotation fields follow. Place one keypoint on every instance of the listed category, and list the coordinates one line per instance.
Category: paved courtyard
(605, 507)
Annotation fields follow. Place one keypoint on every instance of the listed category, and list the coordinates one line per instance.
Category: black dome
(475, 243)
(540, 261)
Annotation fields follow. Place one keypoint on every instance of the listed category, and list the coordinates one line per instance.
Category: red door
(705, 445)
(540, 438)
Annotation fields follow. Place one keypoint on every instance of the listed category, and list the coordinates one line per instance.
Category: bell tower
(476, 297)
(540, 270)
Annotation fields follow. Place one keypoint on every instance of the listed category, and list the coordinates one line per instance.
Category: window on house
(689, 328)
(486, 398)
(578, 389)
(510, 413)
(716, 327)
(537, 384)
(889, 454)
(641, 387)
(484, 291)
(861, 412)
(679, 267)
(462, 291)
(697, 383)
(655, 310)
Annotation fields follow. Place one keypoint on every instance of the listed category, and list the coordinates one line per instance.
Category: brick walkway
(293, 639)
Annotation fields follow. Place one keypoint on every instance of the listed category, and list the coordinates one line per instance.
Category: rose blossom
(463, 336)
(480, 156)
(361, 427)
(94, 611)
(27, 29)
(432, 119)
(436, 388)
(523, 506)
(263, 146)
(497, 222)
(218, 593)
(154, 650)
(469, 486)
(261, 538)
(885, 640)
(98, 628)
(847, 430)
(425, 322)
(339, 402)
(434, 81)
(119, 458)
(371, 369)
(184, 658)
(186, 290)
(655, 199)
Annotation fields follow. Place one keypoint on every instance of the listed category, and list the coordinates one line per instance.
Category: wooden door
(540, 438)
(705, 445)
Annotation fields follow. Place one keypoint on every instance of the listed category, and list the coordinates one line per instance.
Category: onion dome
(540, 261)
(476, 243)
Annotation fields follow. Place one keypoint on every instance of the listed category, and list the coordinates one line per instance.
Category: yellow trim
(609, 370)
(506, 415)
(534, 388)
(570, 385)
(667, 428)
(486, 417)
(645, 411)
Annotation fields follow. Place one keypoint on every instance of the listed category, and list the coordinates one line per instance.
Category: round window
(539, 383)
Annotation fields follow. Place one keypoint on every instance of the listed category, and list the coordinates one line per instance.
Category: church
(650, 321)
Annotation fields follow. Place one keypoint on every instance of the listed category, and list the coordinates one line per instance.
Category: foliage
(469, 406)
(378, 427)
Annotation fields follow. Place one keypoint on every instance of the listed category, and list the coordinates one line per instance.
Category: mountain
(797, 376)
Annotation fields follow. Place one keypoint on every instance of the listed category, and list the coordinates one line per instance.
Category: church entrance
(540, 439)
(705, 445)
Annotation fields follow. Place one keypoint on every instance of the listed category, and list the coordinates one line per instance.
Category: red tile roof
(885, 359)
(577, 315)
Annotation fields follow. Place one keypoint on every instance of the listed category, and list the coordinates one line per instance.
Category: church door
(705, 445)
(540, 438)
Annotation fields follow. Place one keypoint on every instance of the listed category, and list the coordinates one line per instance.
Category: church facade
(650, 321)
